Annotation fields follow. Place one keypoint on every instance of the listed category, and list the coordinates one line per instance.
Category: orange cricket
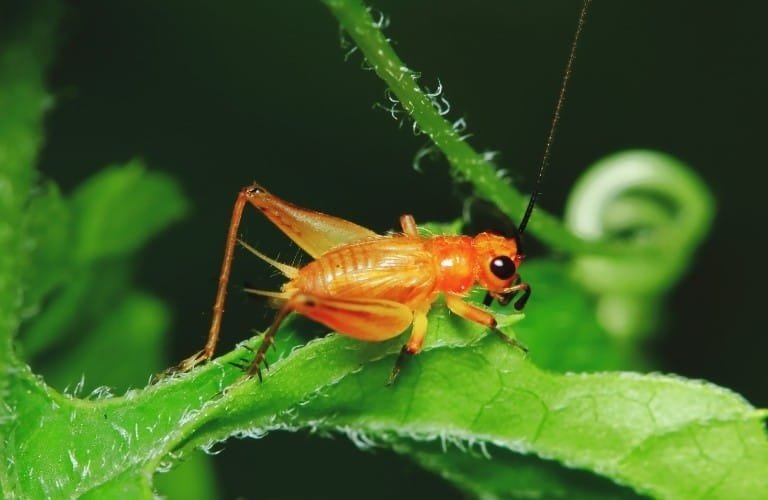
(369, 286)
(373, 287)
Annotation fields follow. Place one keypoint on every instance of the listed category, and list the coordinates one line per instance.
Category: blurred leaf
(561, 328)
(490, 472)
(112, 214)
(120, 352)
(193, 479)
(47, 251)
(120, 208)
(90, 294)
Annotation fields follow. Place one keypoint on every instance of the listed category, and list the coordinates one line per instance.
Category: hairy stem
(355, 18)
(23, 100)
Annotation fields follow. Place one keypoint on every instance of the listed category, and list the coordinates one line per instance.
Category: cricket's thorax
(454, 258)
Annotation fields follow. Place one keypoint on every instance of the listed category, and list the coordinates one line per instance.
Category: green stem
(23, 100)
(356, 20)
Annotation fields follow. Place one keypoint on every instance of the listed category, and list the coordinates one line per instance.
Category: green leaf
(467, 390)
(485, 393)
(120, 208)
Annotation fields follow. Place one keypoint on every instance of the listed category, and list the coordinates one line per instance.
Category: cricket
(373, 287)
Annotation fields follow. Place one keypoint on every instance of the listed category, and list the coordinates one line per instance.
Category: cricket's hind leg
(207, 352)
(365, 319)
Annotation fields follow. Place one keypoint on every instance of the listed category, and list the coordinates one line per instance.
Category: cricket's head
(498, 259)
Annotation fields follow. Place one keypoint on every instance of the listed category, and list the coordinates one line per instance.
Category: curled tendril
(438, 90)
(382, 21)
(460, 125)
(658, 209)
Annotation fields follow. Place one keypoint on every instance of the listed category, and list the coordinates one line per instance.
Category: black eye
(502, 267)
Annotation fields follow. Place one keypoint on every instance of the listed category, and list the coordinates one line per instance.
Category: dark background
(222, 93)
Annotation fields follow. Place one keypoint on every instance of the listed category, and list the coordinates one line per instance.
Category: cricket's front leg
(510, 293)
(469, 312)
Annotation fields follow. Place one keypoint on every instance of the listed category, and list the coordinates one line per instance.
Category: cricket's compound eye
(503, 267)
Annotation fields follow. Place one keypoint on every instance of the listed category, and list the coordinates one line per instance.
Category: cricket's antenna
(555, 119)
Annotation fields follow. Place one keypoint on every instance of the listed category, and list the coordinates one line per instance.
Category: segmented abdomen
(396, 268)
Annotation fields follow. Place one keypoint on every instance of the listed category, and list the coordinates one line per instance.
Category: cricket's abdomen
(395, 268)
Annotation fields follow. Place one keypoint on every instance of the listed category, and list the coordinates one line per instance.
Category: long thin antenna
(556, 118)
